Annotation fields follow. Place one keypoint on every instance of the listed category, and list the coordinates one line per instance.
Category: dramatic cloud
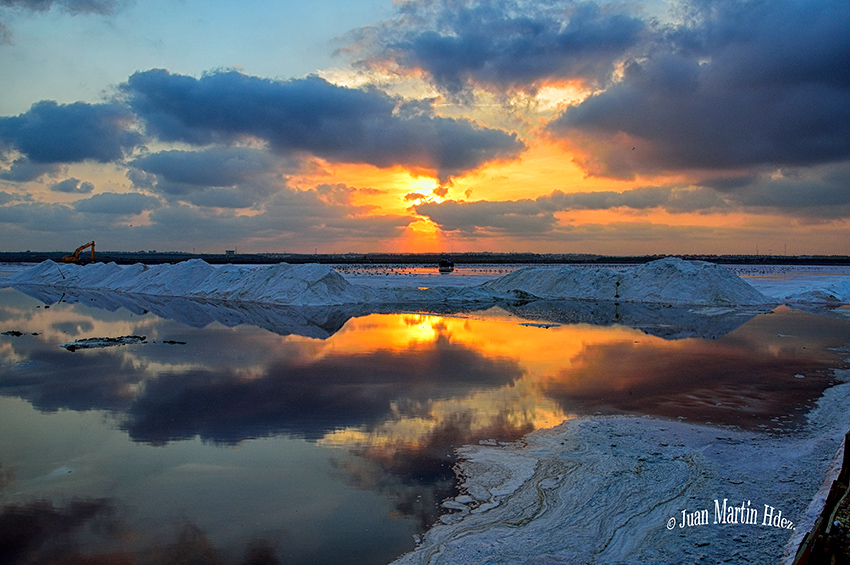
(312, 116)
(309, 217)
(24, 170)
(318, 217)
(819, 193)
(235, 177)
(116, 204)
(39, 217)
(72, 185)
(102, 212)
(739, 84)
(211, 167)
(52, 133)
(504, 45)
(534, 216)
(521, 216)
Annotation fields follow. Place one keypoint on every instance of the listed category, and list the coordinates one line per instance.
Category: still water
(244, 434)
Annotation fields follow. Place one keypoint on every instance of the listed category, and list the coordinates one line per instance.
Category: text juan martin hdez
(724, 513)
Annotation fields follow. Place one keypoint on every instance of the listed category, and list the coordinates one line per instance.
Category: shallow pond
(326, 435)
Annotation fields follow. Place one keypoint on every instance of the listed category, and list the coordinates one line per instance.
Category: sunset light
(407, 128)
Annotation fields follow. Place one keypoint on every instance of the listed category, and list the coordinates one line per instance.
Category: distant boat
(446, 266)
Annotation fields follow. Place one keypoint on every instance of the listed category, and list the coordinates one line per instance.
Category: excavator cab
(75, 258)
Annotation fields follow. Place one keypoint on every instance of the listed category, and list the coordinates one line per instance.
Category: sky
(349, 126)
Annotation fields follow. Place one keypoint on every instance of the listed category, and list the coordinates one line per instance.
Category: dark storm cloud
(311, 116)
(824, 194)
(41, 217)
(222, 177)
(101, 212)
(52, 133)
(738, 84)
(127, 204)
(70, 6)
(210, 167)
(72, 185)
(504, 45)
(309, 215)
(24, 170)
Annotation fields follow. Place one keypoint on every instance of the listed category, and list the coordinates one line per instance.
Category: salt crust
(669, 281)
(602, 490)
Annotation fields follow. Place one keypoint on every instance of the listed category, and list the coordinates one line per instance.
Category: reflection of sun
(420, 329)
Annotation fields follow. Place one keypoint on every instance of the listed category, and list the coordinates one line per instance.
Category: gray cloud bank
(742, 84)
(726, 84)
(822, 194)
(312, 116)
(296, 117)
(506, 44)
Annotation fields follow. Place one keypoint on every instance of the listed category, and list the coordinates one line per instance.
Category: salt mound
(279, 284)
(689, 282)
(835, 293)
(302, 285)
(669, 280)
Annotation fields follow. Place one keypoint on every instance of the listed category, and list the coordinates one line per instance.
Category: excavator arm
(75, 258)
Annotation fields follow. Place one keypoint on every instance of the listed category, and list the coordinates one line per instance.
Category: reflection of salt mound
(669, 280)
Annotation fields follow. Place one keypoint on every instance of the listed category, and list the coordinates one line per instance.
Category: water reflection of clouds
(396, 392)
(306, 399)
(43, 532)
(395, 381)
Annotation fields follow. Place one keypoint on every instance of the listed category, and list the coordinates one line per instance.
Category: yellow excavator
(75, 258)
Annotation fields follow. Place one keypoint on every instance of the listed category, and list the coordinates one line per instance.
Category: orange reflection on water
(542, 354)
(540, 351)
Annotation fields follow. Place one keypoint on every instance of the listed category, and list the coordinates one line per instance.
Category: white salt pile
(834, 293)
(275, 284)
(670, 280)
(667, 281)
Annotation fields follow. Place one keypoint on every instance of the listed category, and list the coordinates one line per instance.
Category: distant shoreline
(153, 257)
